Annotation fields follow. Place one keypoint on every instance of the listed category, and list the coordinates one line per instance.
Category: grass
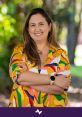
(76, 71)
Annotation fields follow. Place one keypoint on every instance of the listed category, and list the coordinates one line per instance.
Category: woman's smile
(38, 28)
(38, 33)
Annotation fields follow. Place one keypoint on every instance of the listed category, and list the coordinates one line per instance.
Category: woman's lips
(38, 34)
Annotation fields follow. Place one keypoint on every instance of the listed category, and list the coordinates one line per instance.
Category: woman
(39, 68)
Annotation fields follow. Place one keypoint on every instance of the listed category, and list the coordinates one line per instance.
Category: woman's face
(38, 28)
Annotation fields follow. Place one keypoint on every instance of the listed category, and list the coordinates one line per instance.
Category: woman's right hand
(62, 81)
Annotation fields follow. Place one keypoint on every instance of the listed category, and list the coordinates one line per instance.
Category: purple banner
(41, 112)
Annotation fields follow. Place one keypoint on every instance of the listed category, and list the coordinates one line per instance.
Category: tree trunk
(73, 31)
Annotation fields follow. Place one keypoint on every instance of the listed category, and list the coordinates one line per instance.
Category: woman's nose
(37, 27)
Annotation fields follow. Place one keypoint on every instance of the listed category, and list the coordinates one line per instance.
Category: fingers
(65, 77)
(62, 81)
(23, 83)
(23, 65)
(67, 84)
(63, 84)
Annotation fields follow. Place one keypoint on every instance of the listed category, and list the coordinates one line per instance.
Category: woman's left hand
(23, 66)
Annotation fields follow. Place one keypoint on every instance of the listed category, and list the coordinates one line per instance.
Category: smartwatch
(52, 79)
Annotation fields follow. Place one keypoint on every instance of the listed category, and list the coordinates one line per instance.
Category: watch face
(52, 78)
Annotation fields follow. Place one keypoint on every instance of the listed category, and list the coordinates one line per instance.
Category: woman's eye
(41, 24)
(32, 25)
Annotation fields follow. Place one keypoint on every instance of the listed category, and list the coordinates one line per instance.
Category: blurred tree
(73, 28)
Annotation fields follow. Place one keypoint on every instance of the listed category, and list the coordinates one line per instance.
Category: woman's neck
(43, 53)
(42, 46)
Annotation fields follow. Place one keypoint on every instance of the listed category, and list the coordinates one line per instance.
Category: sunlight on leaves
(4, 9)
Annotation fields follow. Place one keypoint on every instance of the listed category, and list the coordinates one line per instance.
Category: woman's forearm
(50, 89)
(32, 78)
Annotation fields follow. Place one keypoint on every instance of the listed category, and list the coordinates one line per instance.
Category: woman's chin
(39, 40)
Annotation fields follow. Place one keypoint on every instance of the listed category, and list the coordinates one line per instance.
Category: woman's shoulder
(17, 53)
(19, 47)
(60, 54)
(58, 50)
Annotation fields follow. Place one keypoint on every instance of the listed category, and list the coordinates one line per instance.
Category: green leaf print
(59, 97)
(39, 97)
(14, 66)
(45, 97)
(19, 98)
(62, 62)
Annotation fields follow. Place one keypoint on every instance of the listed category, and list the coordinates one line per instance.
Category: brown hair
(30, 47)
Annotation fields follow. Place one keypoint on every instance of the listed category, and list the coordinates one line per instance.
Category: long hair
(30, 47)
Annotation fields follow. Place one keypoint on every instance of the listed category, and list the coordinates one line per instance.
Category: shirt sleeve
(16, 58)
(64, 66)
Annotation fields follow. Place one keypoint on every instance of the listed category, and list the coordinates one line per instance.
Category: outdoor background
(67, 16)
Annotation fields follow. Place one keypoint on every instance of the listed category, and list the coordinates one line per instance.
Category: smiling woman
(39, 68)
(39, 28)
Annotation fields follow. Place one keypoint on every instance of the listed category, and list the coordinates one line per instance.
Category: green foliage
(11, 9)
(7, 28)
(28, 2)
(76, 71)
(63, 14)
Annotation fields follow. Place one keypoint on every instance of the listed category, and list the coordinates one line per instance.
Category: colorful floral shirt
(24, 96)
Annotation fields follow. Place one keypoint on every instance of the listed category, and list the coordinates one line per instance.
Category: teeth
(37, 34)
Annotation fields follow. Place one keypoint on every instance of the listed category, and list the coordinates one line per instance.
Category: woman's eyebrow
(31, 23)
(41, 22)
(35, 23)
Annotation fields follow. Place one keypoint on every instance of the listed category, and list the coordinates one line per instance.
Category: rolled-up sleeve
(16, 58)
(64, 66)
